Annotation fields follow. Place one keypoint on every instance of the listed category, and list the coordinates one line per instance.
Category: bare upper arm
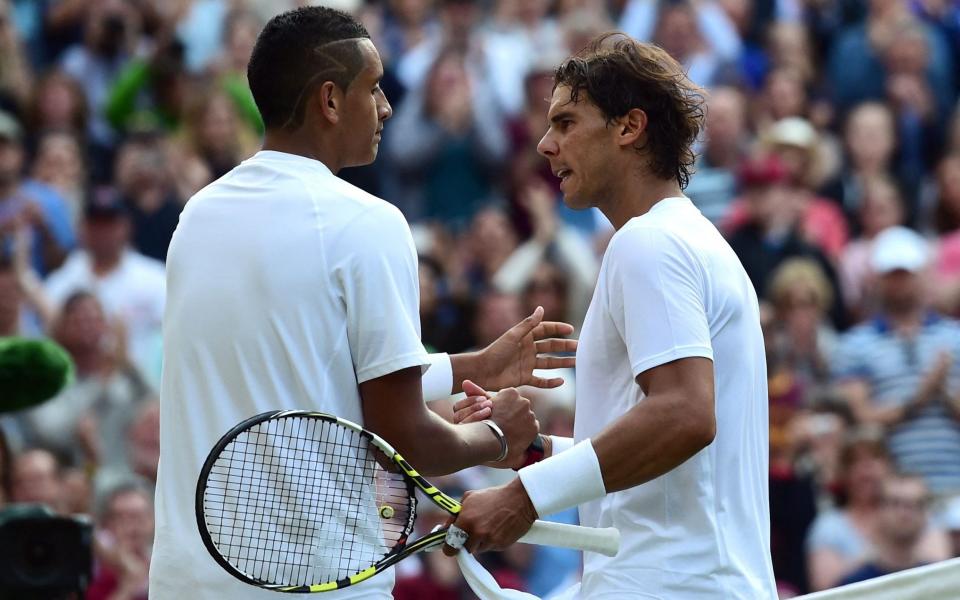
(393, 406)
(692, 376)
(689, 383)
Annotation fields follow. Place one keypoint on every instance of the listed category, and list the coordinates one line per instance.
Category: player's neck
(635, 195)
(302, 145)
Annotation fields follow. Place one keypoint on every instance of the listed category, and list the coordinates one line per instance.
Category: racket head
(300, 501)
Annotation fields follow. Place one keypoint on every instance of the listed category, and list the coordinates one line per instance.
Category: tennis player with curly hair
(670, 442)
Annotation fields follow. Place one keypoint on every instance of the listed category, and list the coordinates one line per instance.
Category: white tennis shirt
(670, 287)
(286, 286)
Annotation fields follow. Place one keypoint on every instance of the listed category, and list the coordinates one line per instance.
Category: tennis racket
(300, 501)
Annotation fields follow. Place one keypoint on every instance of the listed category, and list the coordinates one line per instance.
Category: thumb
(527, 325)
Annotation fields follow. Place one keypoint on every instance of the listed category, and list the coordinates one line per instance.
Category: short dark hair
(619, 74)
(297, 49)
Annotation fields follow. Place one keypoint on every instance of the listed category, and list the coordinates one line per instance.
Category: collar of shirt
(292, 159)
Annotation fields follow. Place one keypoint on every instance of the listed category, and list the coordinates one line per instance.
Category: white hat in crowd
(899, 248)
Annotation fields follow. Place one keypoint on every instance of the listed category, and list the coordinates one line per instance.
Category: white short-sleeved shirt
(670, 287)
(286, 288)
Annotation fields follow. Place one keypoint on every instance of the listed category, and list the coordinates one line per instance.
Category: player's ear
(631, 126)
(329, 99)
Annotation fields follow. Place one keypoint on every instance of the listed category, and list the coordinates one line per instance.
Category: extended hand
(494, 518)
(510, 360)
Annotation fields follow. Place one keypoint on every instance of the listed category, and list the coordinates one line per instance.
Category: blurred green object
(31, 371)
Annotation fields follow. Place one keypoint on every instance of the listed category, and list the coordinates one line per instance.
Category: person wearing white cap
(899, 370)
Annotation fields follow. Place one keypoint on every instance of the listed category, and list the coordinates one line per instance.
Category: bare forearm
(439, 448)
(653, 438)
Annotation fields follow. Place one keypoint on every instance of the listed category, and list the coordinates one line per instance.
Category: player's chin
(573, 201)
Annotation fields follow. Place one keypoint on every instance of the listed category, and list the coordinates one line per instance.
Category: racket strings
(300, 501)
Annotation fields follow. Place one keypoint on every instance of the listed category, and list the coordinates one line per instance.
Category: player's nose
(547, 146)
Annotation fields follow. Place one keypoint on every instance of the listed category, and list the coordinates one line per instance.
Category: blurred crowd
(830, 160)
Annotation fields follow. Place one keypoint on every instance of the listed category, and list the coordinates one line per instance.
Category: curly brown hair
(619, 74)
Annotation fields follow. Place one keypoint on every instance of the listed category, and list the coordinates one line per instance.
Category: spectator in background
(448, 143)
(111, 33)
(902, 520)
(856, 71)
(803, 339)
(491, 240)
(946, 224)
(143, 443)
(840, 539)
(164, 75)
(146, 189)
(797, 144)
(87, 421)
(881, 207)
(920, 109)
(554, 239)
(713, 184)
(214, 131)
(549, 287)
(404, 24)
(517, 34)
(899, 370)
(699, 35)
(58, 103)
(59, 163)
(525, 166)
(783, 95)
(444, 319)
(15, 76)
(77, 491)
(129, 285)
(770, 231)
(123, 539)
(790, 50)
(496, 313)
(31, 203)
(240, 34)
(37, 478)
(25, 309)
(458, 24)
(870, 141)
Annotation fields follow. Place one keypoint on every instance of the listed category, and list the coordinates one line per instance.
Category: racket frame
(400, 551)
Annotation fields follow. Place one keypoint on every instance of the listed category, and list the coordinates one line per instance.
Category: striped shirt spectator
(894, 368)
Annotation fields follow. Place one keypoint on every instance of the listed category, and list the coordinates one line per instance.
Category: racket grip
(604, 540)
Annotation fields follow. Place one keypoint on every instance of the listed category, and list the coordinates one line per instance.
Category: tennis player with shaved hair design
(289, 288)
(670, 438)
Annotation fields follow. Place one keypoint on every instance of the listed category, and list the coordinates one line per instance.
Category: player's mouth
(564, 175)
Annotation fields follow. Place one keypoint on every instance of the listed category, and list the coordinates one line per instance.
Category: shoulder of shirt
(335, 189)
(647, 234)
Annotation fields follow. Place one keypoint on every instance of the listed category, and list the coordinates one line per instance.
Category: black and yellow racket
(299, 501)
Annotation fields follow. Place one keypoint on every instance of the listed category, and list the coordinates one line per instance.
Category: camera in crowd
(43, 555)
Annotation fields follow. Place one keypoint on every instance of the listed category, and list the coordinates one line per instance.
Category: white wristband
(560, 444)
(437, 381)
(564, 480)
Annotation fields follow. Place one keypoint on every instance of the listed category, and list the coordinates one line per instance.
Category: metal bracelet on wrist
(503, 439)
